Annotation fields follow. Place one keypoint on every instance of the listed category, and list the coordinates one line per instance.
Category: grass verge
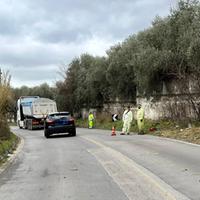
(162, 128)
(7, 146)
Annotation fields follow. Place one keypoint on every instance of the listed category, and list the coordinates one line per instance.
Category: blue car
(59, 122)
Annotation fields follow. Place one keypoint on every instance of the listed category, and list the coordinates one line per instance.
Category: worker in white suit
(127, 119)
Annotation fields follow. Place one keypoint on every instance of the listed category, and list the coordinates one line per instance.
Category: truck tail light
(34, 122)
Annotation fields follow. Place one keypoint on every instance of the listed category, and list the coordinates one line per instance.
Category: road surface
(96, 166)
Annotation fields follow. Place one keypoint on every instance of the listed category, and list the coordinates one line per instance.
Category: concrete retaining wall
(156, 107)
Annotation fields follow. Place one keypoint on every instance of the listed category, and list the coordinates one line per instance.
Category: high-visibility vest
(140, 113)
(90, 117)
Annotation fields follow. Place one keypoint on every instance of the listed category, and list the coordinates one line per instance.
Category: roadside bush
(105, 122)
(7, 146)
(4, 128)
(5, 102)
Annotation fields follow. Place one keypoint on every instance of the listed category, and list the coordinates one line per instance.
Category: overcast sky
(38, 36)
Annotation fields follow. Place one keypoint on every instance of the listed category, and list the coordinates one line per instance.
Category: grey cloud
(36, 56)
(35, 34)
(63, 33)
(42, 73)
(64, 21)
(34, 76)
(7, 27)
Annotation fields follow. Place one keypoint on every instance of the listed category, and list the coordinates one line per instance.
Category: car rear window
(59, 115)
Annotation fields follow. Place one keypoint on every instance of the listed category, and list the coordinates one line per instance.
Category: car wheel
(46, 133)
(73, 133)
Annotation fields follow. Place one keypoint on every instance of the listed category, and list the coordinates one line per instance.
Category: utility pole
(0, 76)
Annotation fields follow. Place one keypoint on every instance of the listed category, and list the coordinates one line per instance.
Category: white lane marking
(180, 141)
(134, 180)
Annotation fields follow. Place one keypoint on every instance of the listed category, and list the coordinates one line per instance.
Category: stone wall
(169, 106)
(173, 101)
(109, 108)
(175, 107)
(85, 112)
(177, 100)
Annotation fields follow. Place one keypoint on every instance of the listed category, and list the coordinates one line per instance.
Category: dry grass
(188, 134)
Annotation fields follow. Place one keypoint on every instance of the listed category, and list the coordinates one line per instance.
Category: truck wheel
(25, 124)
(18, 123)
(29, 125)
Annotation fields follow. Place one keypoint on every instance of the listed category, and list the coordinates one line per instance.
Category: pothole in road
(74, 169)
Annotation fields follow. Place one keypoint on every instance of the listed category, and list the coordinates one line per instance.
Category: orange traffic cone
(113, 131)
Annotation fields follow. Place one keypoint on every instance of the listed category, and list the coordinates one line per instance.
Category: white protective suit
(127, 119)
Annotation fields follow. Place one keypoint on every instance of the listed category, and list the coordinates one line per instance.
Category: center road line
(134, 180)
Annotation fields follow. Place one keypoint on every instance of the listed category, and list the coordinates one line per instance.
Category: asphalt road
(96, 166)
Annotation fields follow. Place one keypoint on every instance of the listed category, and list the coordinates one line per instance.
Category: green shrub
(105, 122)
(5, 102)
(7, 146)
(4, 128)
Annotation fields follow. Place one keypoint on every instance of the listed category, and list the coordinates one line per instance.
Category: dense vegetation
(170, 48)
(5, 101)
(8, 141)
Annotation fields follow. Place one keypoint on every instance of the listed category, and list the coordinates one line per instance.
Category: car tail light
(71, 120)
(49, 121)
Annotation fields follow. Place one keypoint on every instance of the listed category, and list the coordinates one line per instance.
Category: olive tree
(5, 100)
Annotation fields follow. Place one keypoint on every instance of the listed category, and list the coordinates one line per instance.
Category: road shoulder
(11, 157)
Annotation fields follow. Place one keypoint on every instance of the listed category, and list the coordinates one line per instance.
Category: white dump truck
(32, 110)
